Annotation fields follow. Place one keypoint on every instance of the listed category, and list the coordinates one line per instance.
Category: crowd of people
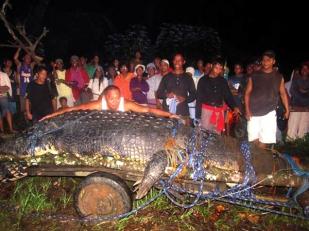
(202, 93)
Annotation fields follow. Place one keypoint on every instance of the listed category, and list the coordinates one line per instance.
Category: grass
(187, 214)
(30, 195)
(66, 199)
(158, 203)
(298, 147)
(205, 209)
(121, 224)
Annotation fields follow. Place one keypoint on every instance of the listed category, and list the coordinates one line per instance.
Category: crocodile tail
(12, 171)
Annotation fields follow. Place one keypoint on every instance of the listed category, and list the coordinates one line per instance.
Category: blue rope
(240, 192)
(301, 173)
(296, 169)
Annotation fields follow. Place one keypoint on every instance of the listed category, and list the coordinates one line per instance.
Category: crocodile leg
(11, 171)
(153, 171)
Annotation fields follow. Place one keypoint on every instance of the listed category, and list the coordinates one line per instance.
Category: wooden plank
(80, 171)
(83, 171)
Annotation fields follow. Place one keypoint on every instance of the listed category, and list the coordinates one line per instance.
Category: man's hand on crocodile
(47, 117)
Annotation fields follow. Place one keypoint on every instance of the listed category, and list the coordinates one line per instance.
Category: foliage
(66, 199)
(124, 45)
(299, 147)
(193, 41)
(20, 38)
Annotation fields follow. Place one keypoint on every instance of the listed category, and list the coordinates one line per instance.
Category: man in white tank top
(112, 100)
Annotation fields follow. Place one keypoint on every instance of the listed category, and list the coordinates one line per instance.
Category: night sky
(246, 28)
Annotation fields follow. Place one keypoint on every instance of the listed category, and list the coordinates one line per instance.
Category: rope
(301, 173)
(242, 192)
(197, 149)
(296, 169)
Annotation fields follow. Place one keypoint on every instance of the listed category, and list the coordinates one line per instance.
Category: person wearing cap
(77, 78)
(261, 99)
(138, 86)
(112, 100)
(177, 89)
(63, 88)
(122, 81)
(165, 67)
(212, 94)
(150, 67)
(257, 65)
(153, 81)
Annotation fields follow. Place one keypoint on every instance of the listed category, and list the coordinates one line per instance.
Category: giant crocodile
(140, 142)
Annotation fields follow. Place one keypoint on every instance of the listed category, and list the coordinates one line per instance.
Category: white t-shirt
(5, 81)
(153, 83)
(95, 88)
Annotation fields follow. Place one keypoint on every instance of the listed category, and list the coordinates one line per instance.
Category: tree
(124, 45)
(21, 39)
(193, 41)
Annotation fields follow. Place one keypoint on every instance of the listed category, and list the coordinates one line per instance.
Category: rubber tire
(113, 196)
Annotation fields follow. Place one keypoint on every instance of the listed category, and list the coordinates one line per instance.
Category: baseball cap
(270, 54)
(190, 70)
(165, 61)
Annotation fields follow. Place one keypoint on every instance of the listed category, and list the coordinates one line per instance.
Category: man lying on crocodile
(112, 100)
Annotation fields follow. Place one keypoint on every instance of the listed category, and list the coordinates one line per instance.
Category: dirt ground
(26, 204)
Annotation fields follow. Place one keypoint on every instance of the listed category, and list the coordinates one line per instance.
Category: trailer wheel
(104, 195)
